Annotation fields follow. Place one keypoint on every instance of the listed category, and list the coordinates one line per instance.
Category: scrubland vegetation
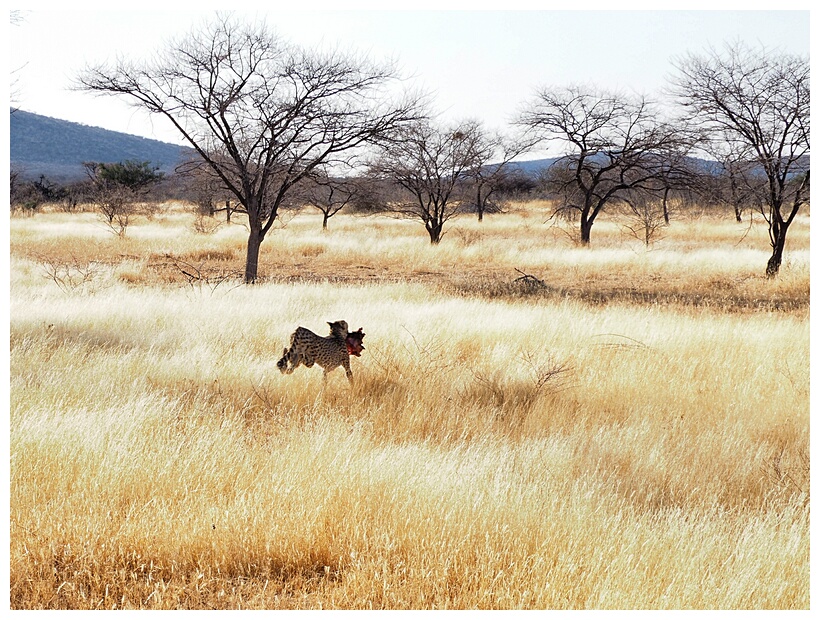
(533, 424)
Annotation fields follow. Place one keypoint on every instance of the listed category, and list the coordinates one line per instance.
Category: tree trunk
(665, 206)
(778, 238)
(252, 261)
(479, 206)
(778, 227)
(586, 229)
(434, 230)
(325, 218)
(735, 199)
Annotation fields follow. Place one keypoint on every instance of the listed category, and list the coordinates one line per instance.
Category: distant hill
(534, 167)
(40, 145)
(531, 168)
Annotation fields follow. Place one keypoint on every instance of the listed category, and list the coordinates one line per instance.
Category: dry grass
(703, 262)
(506, 445)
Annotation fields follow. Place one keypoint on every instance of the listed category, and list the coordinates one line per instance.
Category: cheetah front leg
(348, 372)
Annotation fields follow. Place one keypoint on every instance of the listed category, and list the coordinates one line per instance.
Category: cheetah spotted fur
(329, 352)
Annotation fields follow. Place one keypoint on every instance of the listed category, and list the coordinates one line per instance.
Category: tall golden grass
(623, 429)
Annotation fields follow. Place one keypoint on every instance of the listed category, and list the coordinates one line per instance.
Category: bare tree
(328, 194)
(614, 144)
(203, 187)
(646, 216)
(732, 181)
(759, 101)
(493, 169)
(31, 195)
(15, 186)
(676, 172)
(117, 190)
(262, 113)
(431, 164)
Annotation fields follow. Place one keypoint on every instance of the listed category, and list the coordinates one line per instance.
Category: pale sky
(476, 63)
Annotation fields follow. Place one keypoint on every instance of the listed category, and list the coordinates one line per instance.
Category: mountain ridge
(56, 148)
(41, 145)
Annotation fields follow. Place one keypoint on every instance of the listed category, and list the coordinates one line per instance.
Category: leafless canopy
(493, 168)
(262, 113)
(614, 145)
(756, 102)
(329, 194)
(431, 164)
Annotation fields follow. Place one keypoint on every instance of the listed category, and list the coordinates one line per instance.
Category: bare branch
(756, 104)
(261, 113)
(432, 165)
(615, 145)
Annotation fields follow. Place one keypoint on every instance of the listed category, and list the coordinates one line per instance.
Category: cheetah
(329, 352)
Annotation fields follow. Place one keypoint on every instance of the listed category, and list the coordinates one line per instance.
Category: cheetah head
(354, 342)
(338, 329)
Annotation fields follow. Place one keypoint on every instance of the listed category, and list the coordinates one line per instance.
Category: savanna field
(532, 425)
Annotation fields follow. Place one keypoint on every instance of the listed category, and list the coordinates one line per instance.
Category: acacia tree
(262, 113)
(614, 145)
(203, 187)
(116, 188)
(431, 165)
(328, 194)
(758, 101)
(733, 181)
(646, 215)
(493, 169)
(676, 172)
